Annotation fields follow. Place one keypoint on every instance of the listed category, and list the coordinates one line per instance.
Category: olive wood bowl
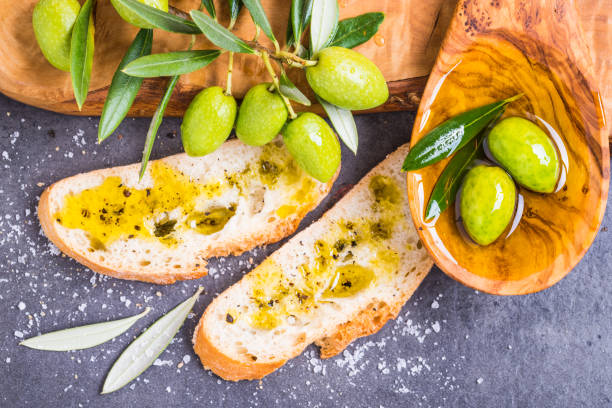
(495, 49)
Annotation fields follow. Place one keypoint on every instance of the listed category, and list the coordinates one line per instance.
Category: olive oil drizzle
(337, 270)
(113, 211)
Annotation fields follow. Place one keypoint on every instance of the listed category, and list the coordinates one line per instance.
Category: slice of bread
(184, 211)
(341, 278)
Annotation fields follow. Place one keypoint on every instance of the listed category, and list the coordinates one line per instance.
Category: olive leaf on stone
(357, 30)
(123, 88)
(156, 121)
(219, 35)
(259, 17)
(209, 5)
(170, 63)
(291, 91)
(81, 52)
(82, 337)
(323, 24)
(450, 136)
(143, 351)
(447, 186)
(160, 19)
(343, 122)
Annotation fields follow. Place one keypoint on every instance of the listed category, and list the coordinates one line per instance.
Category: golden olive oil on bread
(186, 210)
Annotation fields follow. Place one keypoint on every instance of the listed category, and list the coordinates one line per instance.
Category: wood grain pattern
(408, 44)
(494, 50)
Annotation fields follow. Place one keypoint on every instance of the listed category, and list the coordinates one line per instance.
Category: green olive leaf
(159, 18)
(123, 88)
(82, 337)
(323, 24)
(170, 63)
(259, 17)
(209, 5)
(295, 23)
(445, 190)
(291, 91)
(156, 121)
(219, 35)
(143, 351)
(235, 6)
(450, 136)
(357, 30)
(343, 122)
(81, 52)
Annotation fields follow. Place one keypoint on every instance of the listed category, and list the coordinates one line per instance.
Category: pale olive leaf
(323, 24)
(82, 337)
(343, 122)
(81, 52)
(235, 6)
(156, 121)
(357, 30)
(259, 17)
(159, 18)
(170, 63)
(291, 91)
(219, 35)
(143, 351)
(209, 5)
(123, 88)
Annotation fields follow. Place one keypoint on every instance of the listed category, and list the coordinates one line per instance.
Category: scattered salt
(21, 306)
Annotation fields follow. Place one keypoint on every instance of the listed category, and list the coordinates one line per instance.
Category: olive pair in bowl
(488, 204)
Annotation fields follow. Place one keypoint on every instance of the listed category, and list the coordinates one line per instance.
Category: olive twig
(289, 56)
(266, 60)
(178, 12)
(230, 67)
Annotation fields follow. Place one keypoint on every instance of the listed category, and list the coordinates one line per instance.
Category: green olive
(526, 152)
(314, 145)
(488, 197)
(52, 21)
(208, 121)
(132, 18)
(261, 116)
(347, 79)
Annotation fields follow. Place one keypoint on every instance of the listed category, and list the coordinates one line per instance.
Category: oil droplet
(379, 39)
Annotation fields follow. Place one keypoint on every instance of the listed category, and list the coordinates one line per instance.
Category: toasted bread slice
(184, 211)
(341, 278)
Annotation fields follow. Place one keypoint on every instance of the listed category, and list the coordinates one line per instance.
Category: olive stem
(266, 60)
(231, 24)
(257, 31)
(230, 67)
(289, 56)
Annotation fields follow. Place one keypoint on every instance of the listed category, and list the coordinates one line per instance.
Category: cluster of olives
(488, 195)
(341, 76)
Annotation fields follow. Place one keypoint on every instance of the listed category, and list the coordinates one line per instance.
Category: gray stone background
(450, 347)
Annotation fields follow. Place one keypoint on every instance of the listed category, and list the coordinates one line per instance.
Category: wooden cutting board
(404, 49)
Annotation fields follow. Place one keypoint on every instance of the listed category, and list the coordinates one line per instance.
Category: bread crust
(165, 276)
(224, 366)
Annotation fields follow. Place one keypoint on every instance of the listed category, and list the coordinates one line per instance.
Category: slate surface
(451, 346)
